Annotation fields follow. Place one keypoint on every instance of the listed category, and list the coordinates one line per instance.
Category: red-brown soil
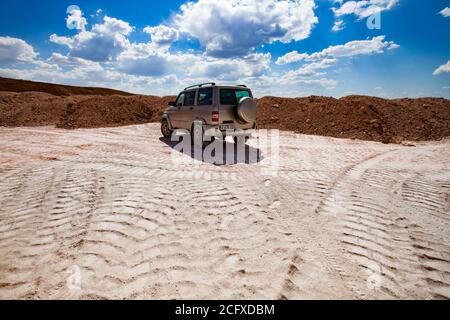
(13, 85)
(357, 117)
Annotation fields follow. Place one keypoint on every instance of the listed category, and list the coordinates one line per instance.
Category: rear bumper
(217, 131)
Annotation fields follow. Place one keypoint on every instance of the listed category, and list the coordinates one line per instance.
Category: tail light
(215, 117)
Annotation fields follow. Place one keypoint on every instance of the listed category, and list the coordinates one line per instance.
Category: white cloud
(329, 57)
(363, 8)
(290, 57)
(66, 41)
(14, 50)
(148, 60)
(293, 79)
(104, 56)
(338, 25)
(113, 27)
(253, 65)
(393, 46)
(162, 35)
(228, 28)
(445, 12)
(75, 19)
(103, 42)
(311, 69)
(142, 59)
(354, 48)
(349, 49)
(442, 69)
(67, 61)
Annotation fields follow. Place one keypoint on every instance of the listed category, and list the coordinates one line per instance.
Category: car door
(176, 113)
(204, 107)
(187, 112)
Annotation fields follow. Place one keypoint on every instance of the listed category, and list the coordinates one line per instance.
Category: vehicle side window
(232, 96)
(241, 93)
(205, 97)
(189, 98)
(180, 100)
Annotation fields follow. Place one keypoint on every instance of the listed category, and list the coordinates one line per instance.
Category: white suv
(211, 108)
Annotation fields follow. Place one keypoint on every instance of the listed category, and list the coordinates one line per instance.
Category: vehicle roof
(241, 87)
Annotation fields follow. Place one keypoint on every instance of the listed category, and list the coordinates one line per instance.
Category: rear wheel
(165, 129)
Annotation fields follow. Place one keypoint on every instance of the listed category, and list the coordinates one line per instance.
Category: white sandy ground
(339, 219)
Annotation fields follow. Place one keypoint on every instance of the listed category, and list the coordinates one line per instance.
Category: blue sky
(284, 48)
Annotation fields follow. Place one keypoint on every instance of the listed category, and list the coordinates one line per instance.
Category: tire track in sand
(139, 226)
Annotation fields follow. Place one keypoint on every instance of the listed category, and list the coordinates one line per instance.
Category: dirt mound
(358, 117)
(100, 111)
(13, 85)
(78, 111)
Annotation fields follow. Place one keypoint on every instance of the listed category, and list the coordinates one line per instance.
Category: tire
(246, 109)
(165, 129)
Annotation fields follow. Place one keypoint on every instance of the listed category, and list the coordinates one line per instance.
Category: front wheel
(165, 129)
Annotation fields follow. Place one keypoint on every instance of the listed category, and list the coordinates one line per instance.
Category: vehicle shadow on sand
(249, 155)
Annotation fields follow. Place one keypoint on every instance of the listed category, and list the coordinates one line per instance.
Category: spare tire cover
(246, 109)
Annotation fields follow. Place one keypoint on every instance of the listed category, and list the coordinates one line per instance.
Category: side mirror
(172, 103)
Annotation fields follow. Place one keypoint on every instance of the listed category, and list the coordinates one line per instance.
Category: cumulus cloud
(363, 8)
(228, 31)
(142, 59)
(442, 69)
(14, 50)
(290, 57)
(145, 59)
(445, 12)
(75, 19)
(162, 35)
(66, 41)
(227, 28)
(253, 65)
(103, 42)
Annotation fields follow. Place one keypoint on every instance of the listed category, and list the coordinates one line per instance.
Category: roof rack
(200, 85)
(241, 85)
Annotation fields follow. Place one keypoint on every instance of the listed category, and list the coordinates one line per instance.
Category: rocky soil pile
(356, 117)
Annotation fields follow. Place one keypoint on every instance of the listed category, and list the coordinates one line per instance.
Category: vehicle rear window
(232, 96)
(189, 98)
(205, 97)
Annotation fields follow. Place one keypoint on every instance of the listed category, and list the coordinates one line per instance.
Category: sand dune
(337, 219)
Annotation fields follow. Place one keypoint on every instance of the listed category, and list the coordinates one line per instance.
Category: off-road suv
(211, 109)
